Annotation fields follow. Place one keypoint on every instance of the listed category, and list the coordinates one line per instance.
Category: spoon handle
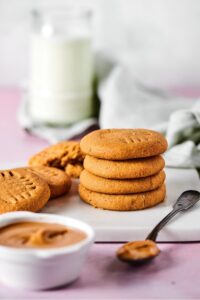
(184, 202)
(153, 234)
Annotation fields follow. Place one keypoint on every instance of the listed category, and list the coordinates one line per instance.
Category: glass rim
(60, 13)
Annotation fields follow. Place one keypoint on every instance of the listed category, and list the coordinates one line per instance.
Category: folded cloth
(50, 133)
(127, 103)
(183, 135)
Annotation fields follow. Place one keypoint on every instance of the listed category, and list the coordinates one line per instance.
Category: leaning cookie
(59, 156)
(74, 170)
(135, 168)
(59, 182)
(123, 202)
(117, 186)
(22, 190)
(123, 144)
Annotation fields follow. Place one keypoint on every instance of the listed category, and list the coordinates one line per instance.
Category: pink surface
(16, 144)
(174, 274)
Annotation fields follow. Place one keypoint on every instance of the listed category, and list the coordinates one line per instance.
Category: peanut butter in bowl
(39, 235)
(41, 251)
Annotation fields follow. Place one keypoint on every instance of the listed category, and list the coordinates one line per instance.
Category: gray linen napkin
(183, 135)
(127, 103)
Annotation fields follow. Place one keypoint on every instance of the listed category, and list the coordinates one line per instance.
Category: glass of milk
(61, 66)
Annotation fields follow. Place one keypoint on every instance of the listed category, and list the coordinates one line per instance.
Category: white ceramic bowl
(38, 269)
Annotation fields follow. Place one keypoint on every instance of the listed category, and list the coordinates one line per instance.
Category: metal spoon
(140, 252)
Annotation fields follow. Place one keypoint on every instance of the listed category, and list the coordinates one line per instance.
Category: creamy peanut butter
(138, 250)
(39, 235)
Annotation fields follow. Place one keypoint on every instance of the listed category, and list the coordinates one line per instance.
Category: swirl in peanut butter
(39, 235)
(138, 250)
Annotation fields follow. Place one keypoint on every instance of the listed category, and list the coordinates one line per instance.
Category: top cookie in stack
(123, 169)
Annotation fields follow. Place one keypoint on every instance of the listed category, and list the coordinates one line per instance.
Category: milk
(61, 75)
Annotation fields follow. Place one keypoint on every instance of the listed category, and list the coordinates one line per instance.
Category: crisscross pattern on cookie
(131, 138)
(21, 190)
(59, 182)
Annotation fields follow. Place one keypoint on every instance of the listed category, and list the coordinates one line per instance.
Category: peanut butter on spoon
(139, 252)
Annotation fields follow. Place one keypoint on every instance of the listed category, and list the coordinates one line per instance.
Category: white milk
(61, 78)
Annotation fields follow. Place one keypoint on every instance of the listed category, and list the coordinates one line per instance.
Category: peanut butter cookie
(74, 170)
(135, 168)
(123, 144)
(123, 202)
(117, 186)
(59, 182)
(59, 156)
(20, 189)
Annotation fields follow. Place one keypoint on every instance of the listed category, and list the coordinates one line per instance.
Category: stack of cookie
(123, 169)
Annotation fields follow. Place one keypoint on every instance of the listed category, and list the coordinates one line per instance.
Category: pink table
(174, 274)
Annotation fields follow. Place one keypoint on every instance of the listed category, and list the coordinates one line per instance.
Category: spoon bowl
(140, 252)
(138, 262)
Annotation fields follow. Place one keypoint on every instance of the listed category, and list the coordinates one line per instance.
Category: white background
(158, 39)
